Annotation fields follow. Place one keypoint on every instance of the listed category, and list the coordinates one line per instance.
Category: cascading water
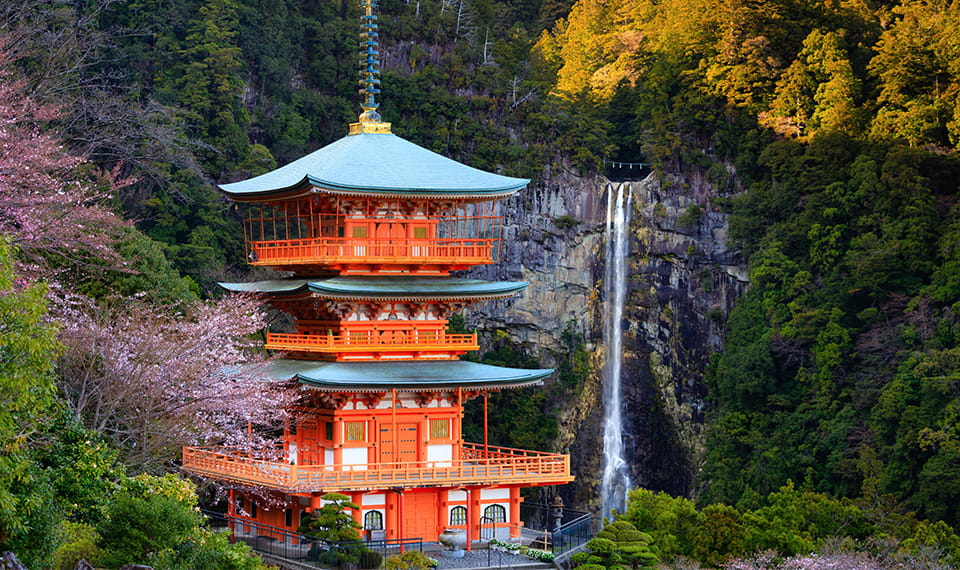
(616, 473)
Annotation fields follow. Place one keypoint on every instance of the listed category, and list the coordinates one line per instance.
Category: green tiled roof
(376, 164)
(408, 375)
(384, 287)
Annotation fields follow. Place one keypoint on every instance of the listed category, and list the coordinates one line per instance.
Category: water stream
(616, 472)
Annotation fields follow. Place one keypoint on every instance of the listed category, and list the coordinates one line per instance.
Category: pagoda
(371, 226)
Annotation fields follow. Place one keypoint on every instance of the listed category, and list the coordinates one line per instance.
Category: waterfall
(616, 473)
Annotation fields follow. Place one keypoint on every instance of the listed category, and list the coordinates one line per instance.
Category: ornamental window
(356, 431)
(440, 429)
(495, 513)
(373, 520)
(458, 516)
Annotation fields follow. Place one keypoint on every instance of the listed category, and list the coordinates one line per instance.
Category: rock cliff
(682, 281)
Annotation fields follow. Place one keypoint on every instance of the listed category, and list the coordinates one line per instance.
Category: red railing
(479, 465)
(379, 341)
(381, 251)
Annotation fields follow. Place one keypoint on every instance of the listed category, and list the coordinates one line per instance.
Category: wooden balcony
(374, 345)
(345, 253)
(478, 465)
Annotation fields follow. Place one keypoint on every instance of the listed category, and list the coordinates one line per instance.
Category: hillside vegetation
(833, 126)
(829, 129)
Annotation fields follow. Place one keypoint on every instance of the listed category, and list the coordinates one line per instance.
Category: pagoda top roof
(409, 375)
(374, 164)
(390, 288)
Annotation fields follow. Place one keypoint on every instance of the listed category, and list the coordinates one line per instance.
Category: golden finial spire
(369, 121)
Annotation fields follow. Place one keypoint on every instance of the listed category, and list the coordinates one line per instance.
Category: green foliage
(573, 370)
(521, 419)
(369, 559)
(690, 216)
(150, 274)
(721, 535)
(619, 544)
(671, 521)
(566, 222)
(934, 537)
(78, 541)
(135, 528)
(409, 560)
(331, 522)
(797, 521)
(83, 469)
(208, 550)
(28, 350)
(788, 521)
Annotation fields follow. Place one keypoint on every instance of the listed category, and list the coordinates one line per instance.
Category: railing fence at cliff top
(305, 550)
(575, 528)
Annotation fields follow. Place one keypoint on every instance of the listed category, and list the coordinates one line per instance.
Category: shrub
(78, 542)
(208, 550)
(135, 527)
(370, 559)
(565, 222)
(410, 560)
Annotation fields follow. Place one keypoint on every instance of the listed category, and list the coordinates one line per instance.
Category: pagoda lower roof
(405, 376)
(375, 164)
(385, 288)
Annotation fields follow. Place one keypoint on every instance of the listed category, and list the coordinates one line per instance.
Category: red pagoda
(372, 226)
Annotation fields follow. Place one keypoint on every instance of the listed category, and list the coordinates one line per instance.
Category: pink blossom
(155, 382)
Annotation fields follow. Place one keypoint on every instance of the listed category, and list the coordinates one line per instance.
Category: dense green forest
(829, 129)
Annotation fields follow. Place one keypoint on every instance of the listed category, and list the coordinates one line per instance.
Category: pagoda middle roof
(375, 164)
(399, 287)
(409, 375)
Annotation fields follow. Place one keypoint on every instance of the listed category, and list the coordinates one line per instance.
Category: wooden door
(420, 516)
(400, 446)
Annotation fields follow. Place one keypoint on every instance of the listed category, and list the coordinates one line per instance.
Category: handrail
(370, 249)
(371, 340)
(297, 547)
(475, 467)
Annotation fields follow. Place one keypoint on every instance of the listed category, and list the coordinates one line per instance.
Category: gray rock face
(682, 281)
(9, 561)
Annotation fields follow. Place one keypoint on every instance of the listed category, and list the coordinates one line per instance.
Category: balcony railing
(374, 341)
(333, 251)
(479, 465)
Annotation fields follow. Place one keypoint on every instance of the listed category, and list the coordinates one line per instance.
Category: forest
(828, 128)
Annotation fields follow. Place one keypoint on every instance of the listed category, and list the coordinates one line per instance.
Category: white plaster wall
(378, 499)
(441, 454)
(488, 494)
(355, 456)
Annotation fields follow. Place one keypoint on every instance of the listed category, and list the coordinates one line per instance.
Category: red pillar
(473, 516)
(515, 500)
(358, 499)
(392, 522)
(231, 511)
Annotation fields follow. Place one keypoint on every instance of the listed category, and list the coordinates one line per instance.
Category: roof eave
(310, 185)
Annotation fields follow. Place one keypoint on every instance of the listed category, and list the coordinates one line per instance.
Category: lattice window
(373, 520)
(356, 431)
(439, 429)
(495, 513)
(458, 515)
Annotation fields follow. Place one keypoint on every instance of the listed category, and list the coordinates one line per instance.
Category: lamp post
(557, 507)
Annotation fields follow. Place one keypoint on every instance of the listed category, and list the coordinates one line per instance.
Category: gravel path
(484, 558)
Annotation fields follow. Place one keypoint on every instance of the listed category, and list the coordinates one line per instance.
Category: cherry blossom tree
(154, 382)
(51, 202)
